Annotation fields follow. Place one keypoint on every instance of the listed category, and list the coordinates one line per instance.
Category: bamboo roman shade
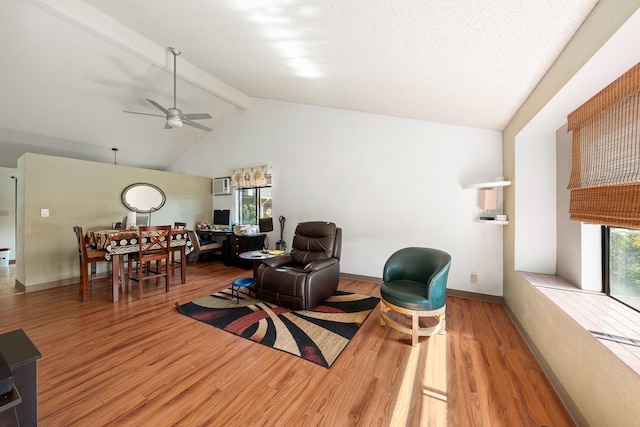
(605, 171)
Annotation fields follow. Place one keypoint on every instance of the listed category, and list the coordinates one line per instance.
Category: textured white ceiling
(464, 62)
(66, 77)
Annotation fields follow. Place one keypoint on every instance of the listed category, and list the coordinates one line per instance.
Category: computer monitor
(265, 224)
(221, 218)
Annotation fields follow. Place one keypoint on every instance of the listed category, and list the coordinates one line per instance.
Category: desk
(21, 356)
(118, 243)
(234, 245)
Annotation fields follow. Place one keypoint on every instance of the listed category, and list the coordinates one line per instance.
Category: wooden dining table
(118, 243)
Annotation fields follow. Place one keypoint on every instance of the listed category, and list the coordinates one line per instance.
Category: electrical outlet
(474, 279)
(44, 213)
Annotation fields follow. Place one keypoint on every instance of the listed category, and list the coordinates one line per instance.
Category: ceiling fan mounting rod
(175, 53)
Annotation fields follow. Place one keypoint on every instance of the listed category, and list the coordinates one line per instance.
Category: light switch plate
(44, 213)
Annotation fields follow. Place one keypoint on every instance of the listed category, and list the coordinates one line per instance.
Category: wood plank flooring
(7, 281)
(139, 362)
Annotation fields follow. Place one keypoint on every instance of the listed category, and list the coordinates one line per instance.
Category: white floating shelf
(491, 184)
(491, 221)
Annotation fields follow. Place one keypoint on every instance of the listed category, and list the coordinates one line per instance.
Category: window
(253, 203)
(621, 269)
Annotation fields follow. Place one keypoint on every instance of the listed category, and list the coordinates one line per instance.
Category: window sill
(612, 323)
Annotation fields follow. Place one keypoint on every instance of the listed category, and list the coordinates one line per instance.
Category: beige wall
(88, 194)
(598, 389)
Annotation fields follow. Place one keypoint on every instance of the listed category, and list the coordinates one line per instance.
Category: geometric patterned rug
(319, 335)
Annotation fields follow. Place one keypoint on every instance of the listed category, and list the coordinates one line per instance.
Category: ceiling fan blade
(158, 106)
(196, 125)
(144, 114)
(199, 116)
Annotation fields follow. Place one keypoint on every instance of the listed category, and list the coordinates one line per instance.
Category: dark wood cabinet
(21, 355)
(240, 244)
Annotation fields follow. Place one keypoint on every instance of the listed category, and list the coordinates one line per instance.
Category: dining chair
(176, 250)
(154, 245)
(89, 258)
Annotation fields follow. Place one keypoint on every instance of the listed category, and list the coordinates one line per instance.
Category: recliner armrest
(278, 261)
(319, 265)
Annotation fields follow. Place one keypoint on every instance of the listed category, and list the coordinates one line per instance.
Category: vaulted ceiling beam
(100, 24)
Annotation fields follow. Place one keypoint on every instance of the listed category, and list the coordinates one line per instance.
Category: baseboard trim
(47, 285)
(475, 296)
(451, 292)
(361, 278)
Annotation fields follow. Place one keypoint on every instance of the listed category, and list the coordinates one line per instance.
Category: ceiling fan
(175, 117)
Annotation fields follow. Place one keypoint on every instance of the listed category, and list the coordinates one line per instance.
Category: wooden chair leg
(158, 267)
(141, 269)
(130, 274)
(382, 311)
(183, 266)
(84, 284)
(166, 277)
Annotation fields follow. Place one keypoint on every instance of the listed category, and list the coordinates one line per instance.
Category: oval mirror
(143, 198)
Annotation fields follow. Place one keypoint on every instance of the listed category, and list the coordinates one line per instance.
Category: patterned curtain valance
(252, 177)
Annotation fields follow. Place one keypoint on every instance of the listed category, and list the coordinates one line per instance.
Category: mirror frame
(142, 210)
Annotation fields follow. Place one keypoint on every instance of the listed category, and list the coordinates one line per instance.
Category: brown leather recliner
(306, 277)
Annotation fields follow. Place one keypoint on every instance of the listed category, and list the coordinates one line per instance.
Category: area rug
(318, 335)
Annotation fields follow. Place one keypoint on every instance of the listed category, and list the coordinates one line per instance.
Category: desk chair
(155, 245)
(89, 258)
(414, 282)
(202, 249)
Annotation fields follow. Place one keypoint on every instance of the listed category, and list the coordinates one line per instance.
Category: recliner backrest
(315, 240)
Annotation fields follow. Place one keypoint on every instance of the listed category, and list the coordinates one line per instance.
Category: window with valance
(605, 174)
(253, 193)
(252, 177)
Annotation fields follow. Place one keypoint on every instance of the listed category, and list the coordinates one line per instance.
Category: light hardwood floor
(139, 362)
(8, 280)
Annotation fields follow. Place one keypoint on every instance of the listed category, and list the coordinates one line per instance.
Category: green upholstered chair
(414, 283)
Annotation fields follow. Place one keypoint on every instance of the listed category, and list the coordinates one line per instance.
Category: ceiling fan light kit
(174, 122)
(174, 116)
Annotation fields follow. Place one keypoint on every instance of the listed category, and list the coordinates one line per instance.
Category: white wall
(569, 262)
(535, 243)
(8, 210)
(579, 245)
(388, 182)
